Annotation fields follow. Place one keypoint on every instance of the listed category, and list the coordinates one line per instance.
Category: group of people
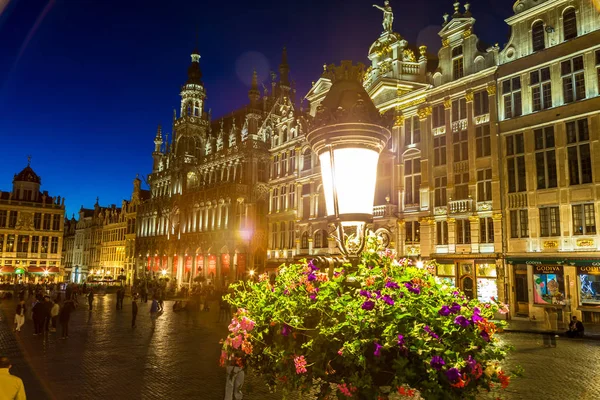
(46, 314)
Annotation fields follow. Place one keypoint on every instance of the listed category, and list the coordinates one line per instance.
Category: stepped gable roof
(27, 175)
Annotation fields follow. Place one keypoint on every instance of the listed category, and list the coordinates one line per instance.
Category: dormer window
(457, 63)
(537, 36)
(570, 24)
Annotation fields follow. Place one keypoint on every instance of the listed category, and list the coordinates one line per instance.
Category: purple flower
(392, 285)
(412, 288)
(437, 362)
(285, 330)
(455, 293)
(312, 266)
(452, 374)
(455, 308)
(485, 336)
(401, 340)
(312, 277)
(462, 321)
(370, 266)
(313, 296)
(476, 315)
(365, 293)
(444, 311)
(368, 305)
(378, 293)
(431, 333)
(388, 300)
(286, 292)
(377, 352)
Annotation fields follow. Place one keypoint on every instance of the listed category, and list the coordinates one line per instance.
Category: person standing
(90, 297)
(134, 310)
(11, 387)
(20, 315)
(64, 316)
(54, 315)
(122, 297)
(37, 312)
(47, 313)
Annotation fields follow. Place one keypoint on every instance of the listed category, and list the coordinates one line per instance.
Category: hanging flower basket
(381, 330)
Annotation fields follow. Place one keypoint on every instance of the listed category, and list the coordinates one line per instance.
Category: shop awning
(578, 262)
(7, 270)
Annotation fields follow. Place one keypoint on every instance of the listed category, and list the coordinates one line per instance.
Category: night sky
(84, 83)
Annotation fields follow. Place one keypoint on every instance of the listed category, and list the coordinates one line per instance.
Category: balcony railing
(460, 206)
(387, 210)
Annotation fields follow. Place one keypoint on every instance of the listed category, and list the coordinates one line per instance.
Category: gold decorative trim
(423, 50)
(551, 244)
(399, 120)
(467, 33)
(447, 103)
(585, 242)
(445, 42)
(411, 103)
(491, 89)
(413, 250)
(497, 217)
(469, 96)
(424, 112)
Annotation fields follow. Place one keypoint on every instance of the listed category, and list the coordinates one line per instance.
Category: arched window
(189, 109)
(307, 160)
(570, 24)
(304, 241)
(284, 135)
(318, 239)
(537, 36)
(196, 109)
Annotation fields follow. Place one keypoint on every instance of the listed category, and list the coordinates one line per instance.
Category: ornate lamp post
(348, 135)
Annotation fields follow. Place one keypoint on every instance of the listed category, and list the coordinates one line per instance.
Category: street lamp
(163, 272)
(348, 135)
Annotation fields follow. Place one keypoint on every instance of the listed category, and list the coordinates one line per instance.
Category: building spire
(254, 93)
(284, 70)
(194, 72)
(29, 160)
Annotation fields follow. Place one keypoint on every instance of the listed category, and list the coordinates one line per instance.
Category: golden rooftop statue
(388, 16)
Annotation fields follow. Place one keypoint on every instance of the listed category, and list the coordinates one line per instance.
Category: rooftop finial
(456, 9)
(388, 16)
(29, 160)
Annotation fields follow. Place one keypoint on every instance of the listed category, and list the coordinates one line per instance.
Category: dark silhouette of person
(64, 316)
(91, 298)
(576, 328)
(38, 317)
(134, 310)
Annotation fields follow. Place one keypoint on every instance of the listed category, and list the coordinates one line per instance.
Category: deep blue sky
(84, 83)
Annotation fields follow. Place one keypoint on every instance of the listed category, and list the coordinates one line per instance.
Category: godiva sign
(547, 269)
(589, 270)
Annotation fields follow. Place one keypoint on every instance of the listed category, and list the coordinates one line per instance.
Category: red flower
(504, 379)
(406, 392)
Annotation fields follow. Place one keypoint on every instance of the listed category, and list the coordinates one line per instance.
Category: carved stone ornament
(424, 112)
(469, 96)
(399, 121)
(491, 89)
(466, 33)
(24, 222)
(447, 104)
(445, 42)
(261, 190)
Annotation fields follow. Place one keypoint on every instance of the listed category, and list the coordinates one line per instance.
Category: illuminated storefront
(476, 278)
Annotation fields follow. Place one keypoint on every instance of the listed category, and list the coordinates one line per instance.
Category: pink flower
(300, 363)
(346, 389)
(246, 324)
(341, 351)
(236, 342)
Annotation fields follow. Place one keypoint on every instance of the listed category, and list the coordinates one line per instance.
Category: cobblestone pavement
(177, 358)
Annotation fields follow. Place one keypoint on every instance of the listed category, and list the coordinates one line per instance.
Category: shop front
(478, 279)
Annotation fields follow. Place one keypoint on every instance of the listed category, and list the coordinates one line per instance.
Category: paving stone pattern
(177, 358)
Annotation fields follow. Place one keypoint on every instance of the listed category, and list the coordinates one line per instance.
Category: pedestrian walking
(64, 316)
(47, 313)
(37, 312)
(11, 387)
(161, 300)
(234, 381)
(90, 297)
(134, 310)
(122, 297)
(20, 315)
(551, 327)
(54, 315)
(223, 306)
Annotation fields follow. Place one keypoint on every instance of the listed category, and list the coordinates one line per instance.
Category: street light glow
(251, 272)
(163, 272)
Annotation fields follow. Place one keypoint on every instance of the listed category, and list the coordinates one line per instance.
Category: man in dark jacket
(576, 328)
(64, 316)
(37, 312)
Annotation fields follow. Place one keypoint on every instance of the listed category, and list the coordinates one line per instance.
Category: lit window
(511, 94)
(584, 219)
(515, 152)
(549, 222)
(573, 79)
(519, 224)
(541, 89)
(545, 158)
(412, 181)
(578, 151)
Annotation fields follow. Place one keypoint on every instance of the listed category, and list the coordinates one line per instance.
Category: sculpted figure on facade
(388, 15)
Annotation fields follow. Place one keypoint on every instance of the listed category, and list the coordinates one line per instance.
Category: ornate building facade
(31, 231)
(549, 125)
(100, 245)
(207, 214)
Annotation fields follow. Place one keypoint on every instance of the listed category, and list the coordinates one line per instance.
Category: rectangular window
(549, 222)
(461, 186)
(412, 131)
(35, 244)
(511, 94)
(439, 151)
(519, 224)
(441, 232)
(3, 215)
(292, 196)
(484, 185)
(545, 158)
(12, 219)
(486, 230)
(515, 152)
(463, 231)
(412, 181)
(10, 243)
(56, 222)
(413, 232)
(578, 152)
(548, 286)
(481, 103)
(283, 164)
(46, 221)
(22, 243)
(461, 146)
(541, 89)
(457, 68)
(439, 116)
(573, 79)
(584, 219)
(483, 141)
(440, 191)
(459, 110)
(1, 243)
(44, 244)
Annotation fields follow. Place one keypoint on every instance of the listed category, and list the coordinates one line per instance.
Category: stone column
(427, 231)
(451, 235)
(474, 220)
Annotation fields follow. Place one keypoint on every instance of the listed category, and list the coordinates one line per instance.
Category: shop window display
(588, 283)
(447, 274)
(549, 288)
(487, 287)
